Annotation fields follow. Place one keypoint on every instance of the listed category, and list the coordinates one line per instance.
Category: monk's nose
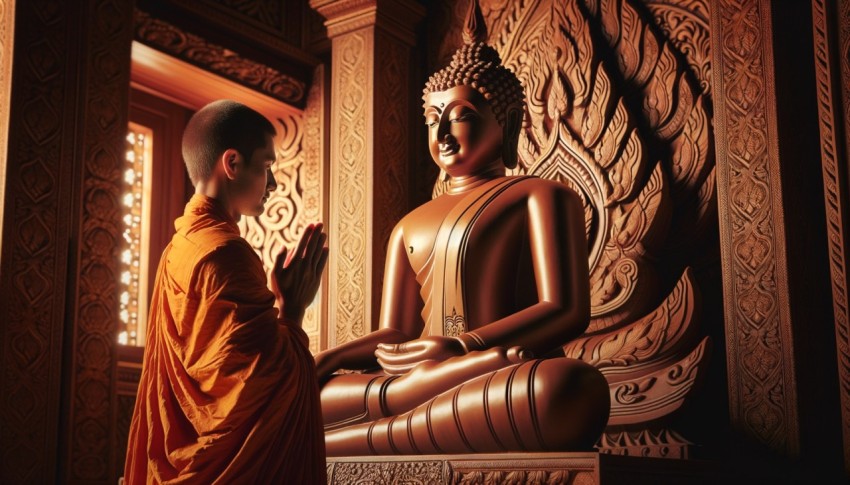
(271, 183)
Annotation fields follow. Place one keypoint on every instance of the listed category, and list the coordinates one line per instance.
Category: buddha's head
(473, 107)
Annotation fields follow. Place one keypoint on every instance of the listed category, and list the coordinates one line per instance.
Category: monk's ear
(231, 163)
(510, 137)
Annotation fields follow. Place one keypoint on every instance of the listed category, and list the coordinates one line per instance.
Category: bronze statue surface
(483, 286)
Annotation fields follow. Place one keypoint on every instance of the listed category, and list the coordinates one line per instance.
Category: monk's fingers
(313, 243)
(305, 238)
(315, 248)
(280, 260)
(323, 260)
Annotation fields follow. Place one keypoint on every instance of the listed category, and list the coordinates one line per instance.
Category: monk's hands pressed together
(297, 275)
(398, 359)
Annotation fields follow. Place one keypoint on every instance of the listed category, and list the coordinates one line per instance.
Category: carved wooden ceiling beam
(170, 39)
(284, 37)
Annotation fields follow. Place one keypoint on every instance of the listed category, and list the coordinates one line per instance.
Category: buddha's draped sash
(442, 279)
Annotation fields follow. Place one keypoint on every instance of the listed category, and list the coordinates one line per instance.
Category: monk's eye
(431, 122)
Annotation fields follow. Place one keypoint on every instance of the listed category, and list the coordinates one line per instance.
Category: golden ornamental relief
(347, 264)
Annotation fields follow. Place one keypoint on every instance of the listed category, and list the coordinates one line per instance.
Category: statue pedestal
(584, 468)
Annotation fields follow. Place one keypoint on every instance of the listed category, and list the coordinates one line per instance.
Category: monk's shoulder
(228, 260)
(231, 253)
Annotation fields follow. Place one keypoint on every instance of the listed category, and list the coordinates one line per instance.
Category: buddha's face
(464, 136)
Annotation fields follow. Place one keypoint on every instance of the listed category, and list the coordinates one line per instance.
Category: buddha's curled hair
(479, 66)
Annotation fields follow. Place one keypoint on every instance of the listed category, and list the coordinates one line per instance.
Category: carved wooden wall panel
(313, 175)
(95, 302)
(685, 23)
(350, 265)
(371, 150)
(831, 23)
(68, 122)
(7, 42)
(762, 384)
(127, 374)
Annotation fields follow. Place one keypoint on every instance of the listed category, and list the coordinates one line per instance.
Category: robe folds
(228, 392)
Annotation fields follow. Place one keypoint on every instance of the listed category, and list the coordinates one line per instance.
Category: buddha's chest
(444, 224)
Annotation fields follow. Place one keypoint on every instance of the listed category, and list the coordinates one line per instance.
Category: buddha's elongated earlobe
(510, 137)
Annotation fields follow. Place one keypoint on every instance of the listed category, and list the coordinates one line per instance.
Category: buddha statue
(483, 286)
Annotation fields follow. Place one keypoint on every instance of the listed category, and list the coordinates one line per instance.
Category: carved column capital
(395, 17)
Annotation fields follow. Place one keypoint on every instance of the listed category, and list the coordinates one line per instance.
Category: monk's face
(464, 136)
(256, 182)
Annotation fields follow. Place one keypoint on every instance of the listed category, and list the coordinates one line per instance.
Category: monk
(228, 392)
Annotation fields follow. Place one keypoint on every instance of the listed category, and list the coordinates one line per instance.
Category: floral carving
(53, 144)
(658, 333)
(349, 222)
(414, 473)
(311, 174)
(642, 396)
(760, 384)
(686, 24)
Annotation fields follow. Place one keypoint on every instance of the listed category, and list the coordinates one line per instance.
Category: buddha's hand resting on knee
(397, 359)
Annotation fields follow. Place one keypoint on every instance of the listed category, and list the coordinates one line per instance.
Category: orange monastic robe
(228, 392)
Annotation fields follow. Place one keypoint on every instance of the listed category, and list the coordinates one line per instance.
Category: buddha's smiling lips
(449, 149)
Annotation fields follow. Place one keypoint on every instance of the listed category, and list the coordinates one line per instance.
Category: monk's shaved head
(218, 126)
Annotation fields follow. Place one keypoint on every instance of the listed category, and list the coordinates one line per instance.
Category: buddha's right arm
(399, 321)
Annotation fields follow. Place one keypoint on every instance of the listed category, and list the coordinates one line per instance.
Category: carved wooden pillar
(61, 231)
(7, 42)
(780, 350)
(371, 149)
(831, 27)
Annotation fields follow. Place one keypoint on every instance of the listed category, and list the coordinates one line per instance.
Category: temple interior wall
(707, 139)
